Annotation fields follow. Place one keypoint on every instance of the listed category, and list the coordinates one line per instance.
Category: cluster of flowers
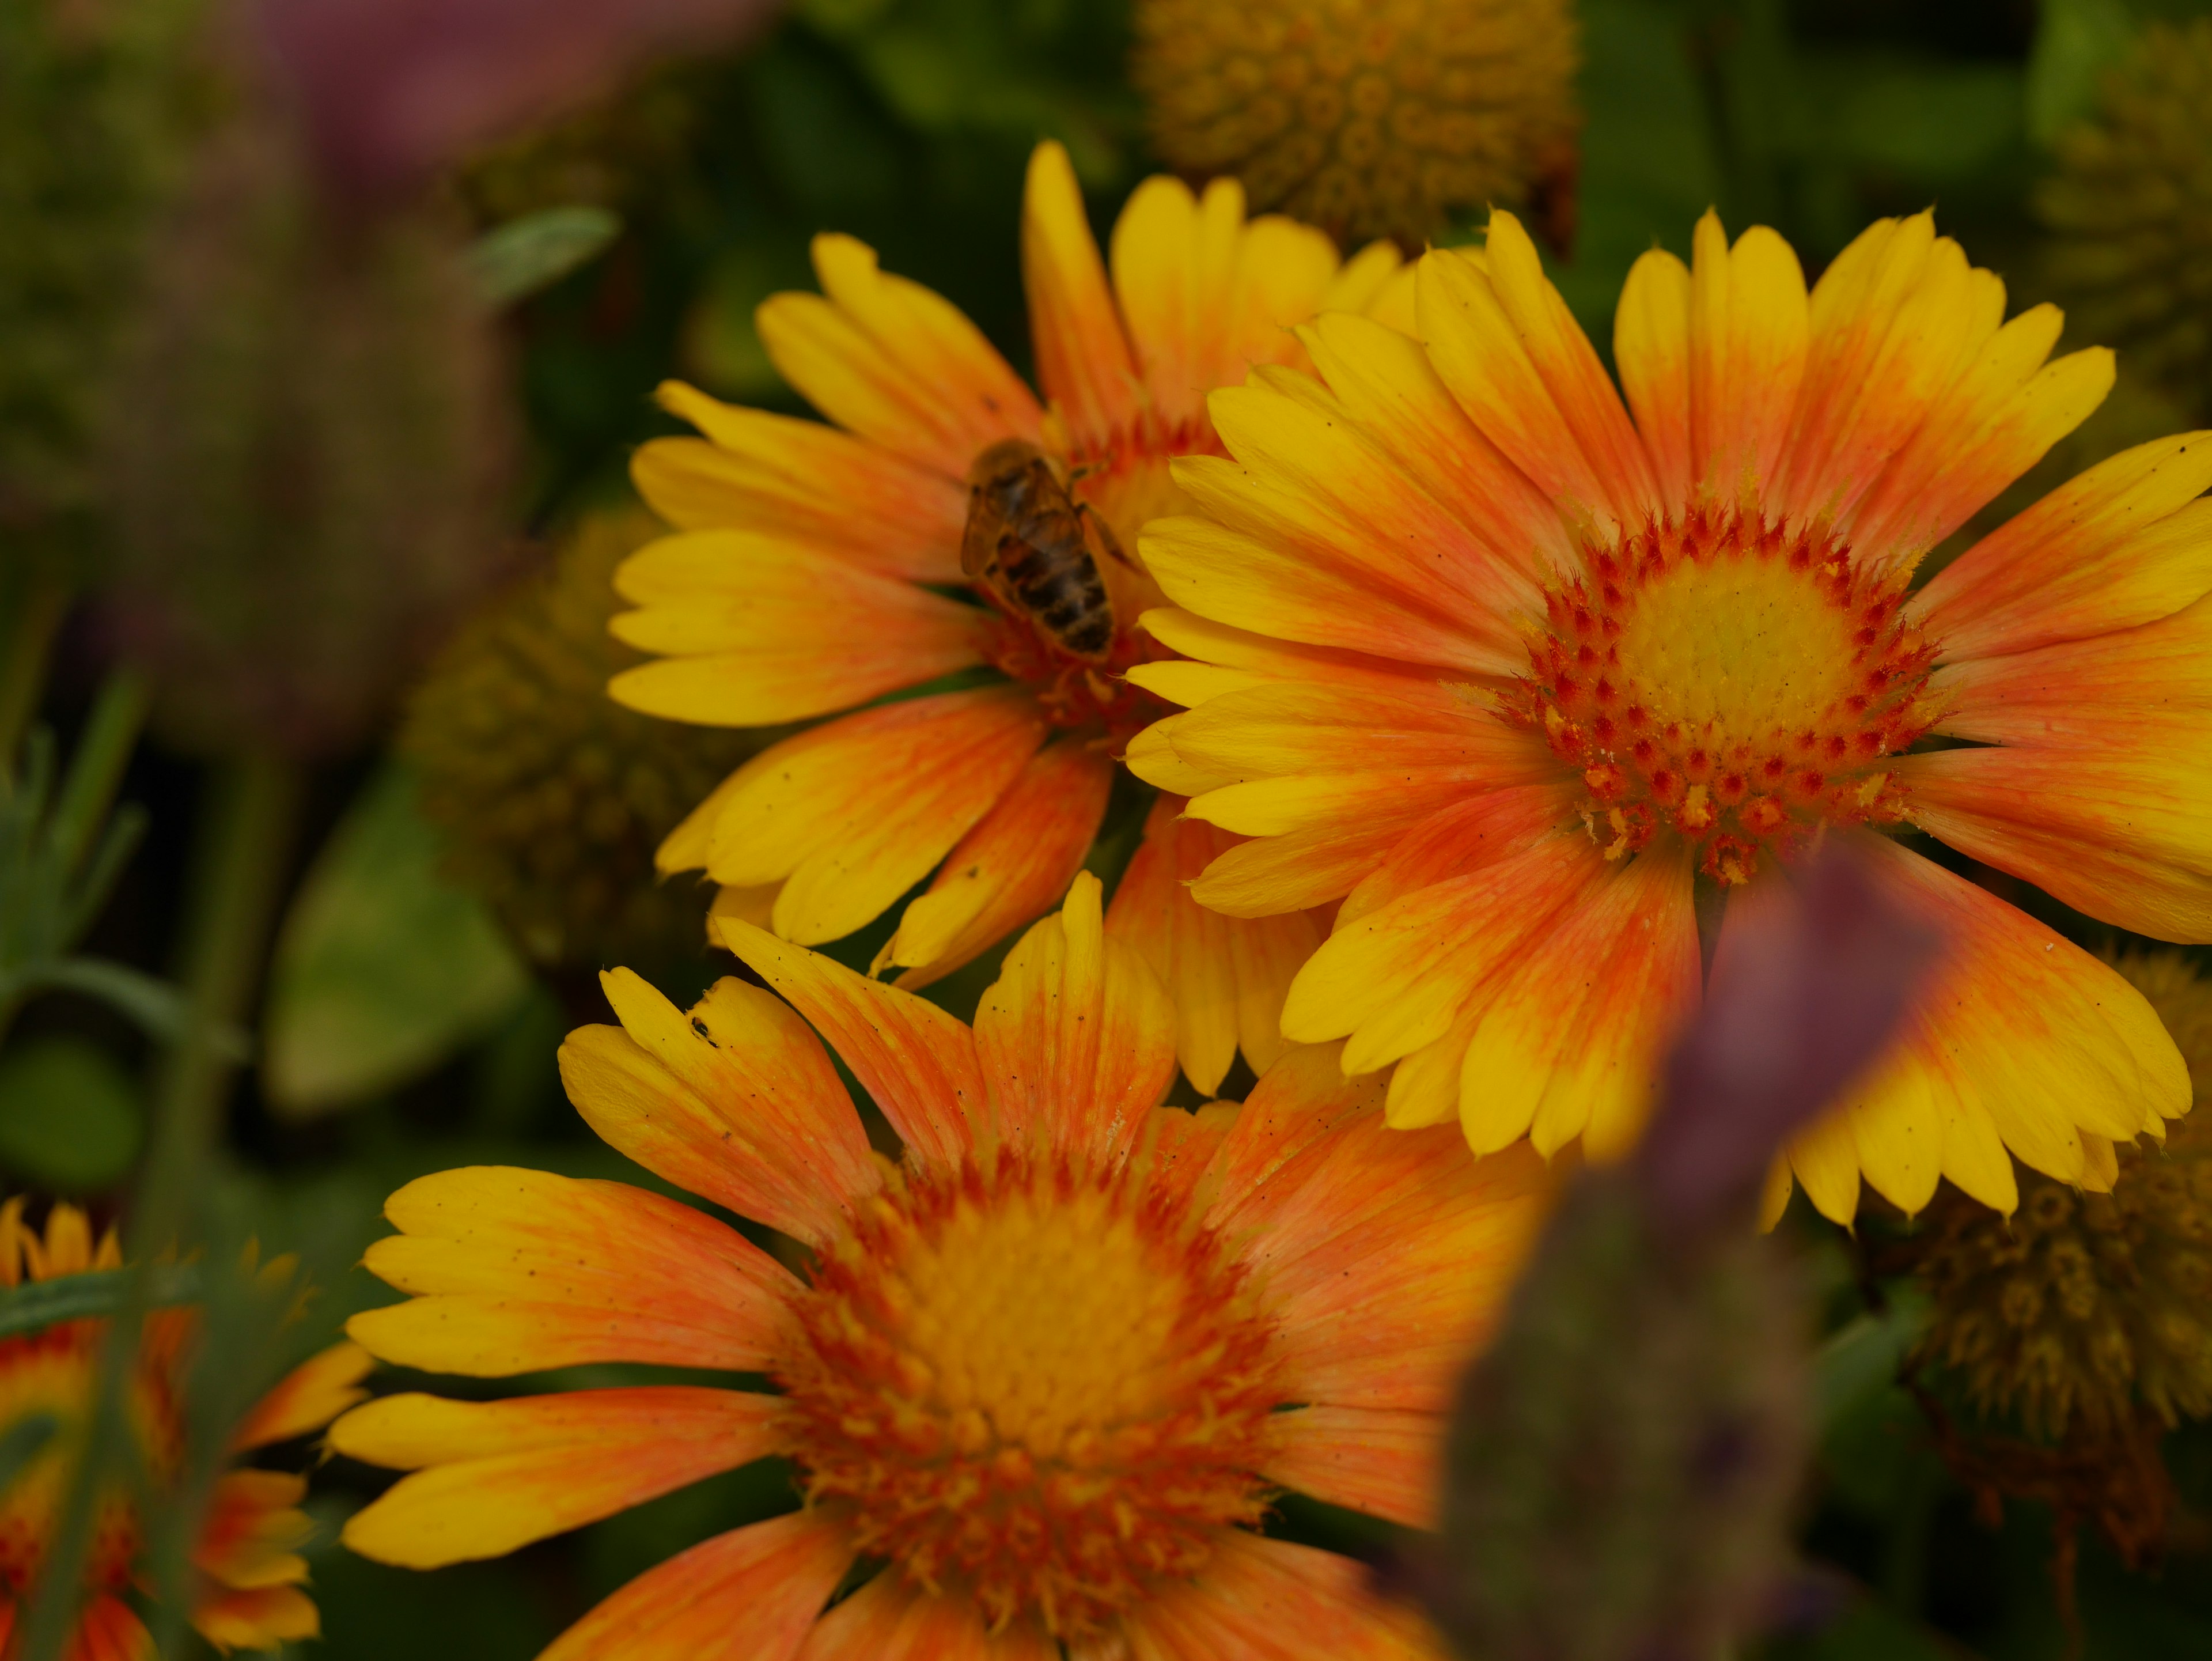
(1460, 674)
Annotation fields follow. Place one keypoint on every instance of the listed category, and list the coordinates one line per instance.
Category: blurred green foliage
(384, 967)
(908, 123)
(92, 100)
(71, 1117)
(514, 260)
(61, 855)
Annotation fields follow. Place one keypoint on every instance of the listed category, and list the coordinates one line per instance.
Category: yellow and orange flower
(246, 1555)
(814, 565)
(1505, 667)
(1047, 1370)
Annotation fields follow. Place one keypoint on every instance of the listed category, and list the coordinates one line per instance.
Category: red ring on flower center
(1076, 697)
(1733, 684)
(1043, 1389)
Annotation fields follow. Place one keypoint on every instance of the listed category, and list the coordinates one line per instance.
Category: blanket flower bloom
(811, 572)
(246, 1556)
(1047, 1370)
(1505, 665)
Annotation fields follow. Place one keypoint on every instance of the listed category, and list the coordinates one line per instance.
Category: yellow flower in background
(1503, 664)
(809, 576)
(1047, 1371)
(1368, 117)
(246, 1555)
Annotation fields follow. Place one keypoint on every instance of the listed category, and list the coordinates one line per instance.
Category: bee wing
(1100, 535)
(979, 539)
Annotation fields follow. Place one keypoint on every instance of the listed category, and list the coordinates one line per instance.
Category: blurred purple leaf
(391, 90)
(1815, 970)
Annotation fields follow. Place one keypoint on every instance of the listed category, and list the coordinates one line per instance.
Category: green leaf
(156, 1005)
(722, 350)
(1878, 1455)
(842, 17)
(925, 77)
(515, 260)
(71, 1119)
(384, 969)
(1868, 1631)
(24, 1441)
(2075, 41)
(37, 1304)
(825, 143)
(1862, 1357)
(1930, 121)
(1649, 168)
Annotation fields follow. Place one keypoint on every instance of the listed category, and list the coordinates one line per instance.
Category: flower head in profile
(245, 1558)
(949, 523)
(1043, 1375)
(1508, 666)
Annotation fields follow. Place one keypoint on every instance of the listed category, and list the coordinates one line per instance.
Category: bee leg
(1104, 532)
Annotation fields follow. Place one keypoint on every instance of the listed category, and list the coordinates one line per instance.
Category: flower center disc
(1033, 1388)
(1734, 685)
(1075, 696)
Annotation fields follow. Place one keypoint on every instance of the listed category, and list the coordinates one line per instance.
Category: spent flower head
(1368, 118)
(551, 795)
(2084, 1309)
(2128, 209)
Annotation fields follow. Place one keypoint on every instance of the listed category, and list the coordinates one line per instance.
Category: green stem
(238, 871)
(37, 1304)
(1904, 1555)
(103, 750)
(40, 608)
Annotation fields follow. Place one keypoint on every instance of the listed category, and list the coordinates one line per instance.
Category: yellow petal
(1825, 1159)
(888, 360)
(851, 814)
(516, 1271)
(762, 1586)
(2126, 543)
(755, 630)
(1076, 1038)
(732, 1098)
(916, 1062)
(490, 1476)
(1651, 345)
(1083, 359)
(1018, 860)
(806, 480)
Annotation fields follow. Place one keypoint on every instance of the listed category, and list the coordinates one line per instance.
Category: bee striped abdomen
(1029, 543)
(1066, 595)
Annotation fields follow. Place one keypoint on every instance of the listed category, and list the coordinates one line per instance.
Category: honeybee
(1037, 548)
